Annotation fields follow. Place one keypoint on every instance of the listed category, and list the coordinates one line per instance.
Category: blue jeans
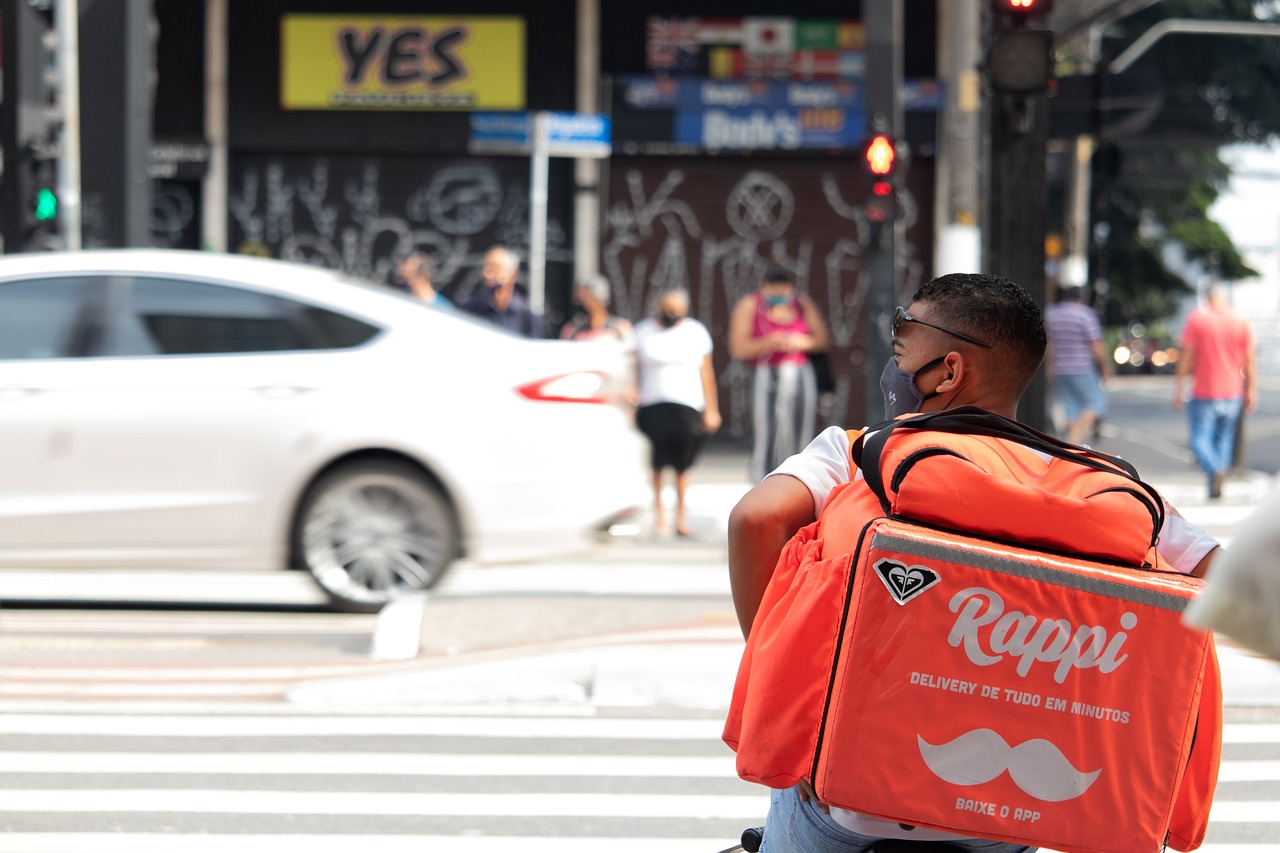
(794, 826)
(1213, 432)
(1077, 392)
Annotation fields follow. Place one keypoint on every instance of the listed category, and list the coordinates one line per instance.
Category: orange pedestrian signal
(881, 155)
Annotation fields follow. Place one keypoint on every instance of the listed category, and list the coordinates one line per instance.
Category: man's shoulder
(1068, 309)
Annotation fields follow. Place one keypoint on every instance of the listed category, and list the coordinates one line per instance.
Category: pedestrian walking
(775, 330)
(1218, 356)
(678, 403)
(1076, 362)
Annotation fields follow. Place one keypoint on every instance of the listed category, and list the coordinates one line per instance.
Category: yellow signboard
(401, 62)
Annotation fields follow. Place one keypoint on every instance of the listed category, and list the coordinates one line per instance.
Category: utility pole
(959, 244)
(883, 22)
(116, 114)
(586, 170)
(67, 21)
(1019, 70)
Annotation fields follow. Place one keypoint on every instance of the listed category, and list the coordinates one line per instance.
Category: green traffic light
(46, 204)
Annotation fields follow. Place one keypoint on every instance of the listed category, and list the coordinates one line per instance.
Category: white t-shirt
(826, 463)
(670, 362)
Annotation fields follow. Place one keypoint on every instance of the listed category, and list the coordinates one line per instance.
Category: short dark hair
(778, 274)
(996, 310)
(1070, 293)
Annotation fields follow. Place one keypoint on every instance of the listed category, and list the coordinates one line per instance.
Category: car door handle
(17, 392)
(282, 389)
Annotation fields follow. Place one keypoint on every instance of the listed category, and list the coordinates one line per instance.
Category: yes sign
(402, 57)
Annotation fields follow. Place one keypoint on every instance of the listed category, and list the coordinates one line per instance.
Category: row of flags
(756, 47)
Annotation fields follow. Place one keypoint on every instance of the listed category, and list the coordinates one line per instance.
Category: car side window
(157, 316)
(331, 330)
(168, 317)
(43, 318)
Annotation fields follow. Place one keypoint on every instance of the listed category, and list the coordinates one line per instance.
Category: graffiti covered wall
(712, 226)
(363, 214)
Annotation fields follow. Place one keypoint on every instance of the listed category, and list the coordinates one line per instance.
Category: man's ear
(955, 368)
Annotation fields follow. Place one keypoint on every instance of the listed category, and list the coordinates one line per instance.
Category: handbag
(822, 372)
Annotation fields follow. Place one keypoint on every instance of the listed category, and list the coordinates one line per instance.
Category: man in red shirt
(1217, 352)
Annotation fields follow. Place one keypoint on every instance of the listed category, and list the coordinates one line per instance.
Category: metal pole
(213, 218)
(883, 22)
(1144, 42)
(538, 163)
(586, 170)
(959, 244)
(67, 20)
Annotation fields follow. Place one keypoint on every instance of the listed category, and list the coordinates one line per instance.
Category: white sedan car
(194, 410)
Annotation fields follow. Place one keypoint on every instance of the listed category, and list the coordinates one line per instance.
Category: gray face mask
(901, 396)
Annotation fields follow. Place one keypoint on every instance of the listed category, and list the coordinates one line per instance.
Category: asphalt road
(1142, 426)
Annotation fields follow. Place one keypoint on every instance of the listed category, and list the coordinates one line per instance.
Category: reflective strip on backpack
(1030, 570)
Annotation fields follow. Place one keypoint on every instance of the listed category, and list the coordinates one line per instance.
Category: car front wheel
(371, 532)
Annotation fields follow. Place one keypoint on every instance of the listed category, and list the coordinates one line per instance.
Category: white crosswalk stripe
(463, 783)
(469, 782)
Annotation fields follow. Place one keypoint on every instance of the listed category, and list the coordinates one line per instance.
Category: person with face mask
(965, 340)
(496, 299)
(774, 330)
(676, 396)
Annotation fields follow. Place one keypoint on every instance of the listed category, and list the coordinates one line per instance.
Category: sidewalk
(719, 480)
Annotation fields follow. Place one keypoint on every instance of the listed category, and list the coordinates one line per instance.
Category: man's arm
(759, 527)
(1250, 381)
(711, 415)
(1202, 568)
(1100, 359)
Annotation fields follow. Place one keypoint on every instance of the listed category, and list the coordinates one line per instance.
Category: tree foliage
(1217, 90)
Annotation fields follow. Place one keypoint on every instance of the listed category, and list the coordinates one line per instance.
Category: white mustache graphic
(1037, 767)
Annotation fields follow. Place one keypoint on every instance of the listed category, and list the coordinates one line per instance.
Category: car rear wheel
(371, 532)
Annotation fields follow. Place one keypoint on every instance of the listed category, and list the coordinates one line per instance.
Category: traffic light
(881, 155)
(1020, 58)
(40, 187)
(46, 204)
(1021, 8)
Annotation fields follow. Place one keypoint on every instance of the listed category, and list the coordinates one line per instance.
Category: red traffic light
(881, 155)
(1022, 8)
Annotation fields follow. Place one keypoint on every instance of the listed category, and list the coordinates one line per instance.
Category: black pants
(675, 433)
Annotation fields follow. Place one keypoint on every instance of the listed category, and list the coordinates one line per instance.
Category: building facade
(737, 134)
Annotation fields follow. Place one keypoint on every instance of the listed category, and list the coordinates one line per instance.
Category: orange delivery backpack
(979, 636)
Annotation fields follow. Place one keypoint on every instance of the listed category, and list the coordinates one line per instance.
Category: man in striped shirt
(1076, 362)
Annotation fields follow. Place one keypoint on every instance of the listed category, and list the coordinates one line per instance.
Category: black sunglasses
(901, 316)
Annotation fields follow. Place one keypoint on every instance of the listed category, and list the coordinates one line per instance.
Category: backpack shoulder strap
(970, 420)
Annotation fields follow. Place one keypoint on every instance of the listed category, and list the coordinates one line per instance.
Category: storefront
(736, 138)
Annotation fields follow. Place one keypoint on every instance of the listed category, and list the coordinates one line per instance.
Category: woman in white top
(678, 404)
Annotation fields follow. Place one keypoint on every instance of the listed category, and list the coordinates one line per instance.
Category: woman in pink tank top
(773, 330)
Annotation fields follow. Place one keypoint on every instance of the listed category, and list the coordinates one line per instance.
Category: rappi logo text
(988, 634)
